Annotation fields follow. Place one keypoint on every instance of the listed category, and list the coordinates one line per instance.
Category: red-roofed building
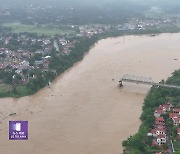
(156, 132)
(176, 121)
(160, 121)
(165, 107)
(176, 110)
(159, 127)
(161, 139)
(173, 115)
(158, 113)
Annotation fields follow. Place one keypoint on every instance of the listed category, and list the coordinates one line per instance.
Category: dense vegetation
(140, 143)
(58, 63)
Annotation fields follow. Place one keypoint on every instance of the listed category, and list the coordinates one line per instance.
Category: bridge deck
(144, 80)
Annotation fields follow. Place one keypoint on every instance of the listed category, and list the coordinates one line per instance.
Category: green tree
(170, 122)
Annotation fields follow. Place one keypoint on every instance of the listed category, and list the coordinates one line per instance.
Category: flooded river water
(84, 111)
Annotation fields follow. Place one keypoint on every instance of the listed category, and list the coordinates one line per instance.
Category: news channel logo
(18, 130)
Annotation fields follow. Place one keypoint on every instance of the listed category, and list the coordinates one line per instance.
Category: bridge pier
(120, 83)
(144, 80)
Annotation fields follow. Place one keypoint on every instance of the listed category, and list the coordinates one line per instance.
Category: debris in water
(12, 114)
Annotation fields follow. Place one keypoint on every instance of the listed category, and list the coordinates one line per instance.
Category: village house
(14, 66)
(79, 35)
(176, 110)
(161, 139)
(46, 41)
(158, 112)
(18, 71)
(176, 121)
(162, 109)
(70, 45)
(165, 107)
(40, 40)
(38, 63)
(46, 64)
(39, 52)
(159, 131)
(63, 41)
(160, 121)
(24, 64)
(159, 127)
(173, 115)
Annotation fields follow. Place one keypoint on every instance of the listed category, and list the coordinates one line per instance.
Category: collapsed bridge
(143, 80)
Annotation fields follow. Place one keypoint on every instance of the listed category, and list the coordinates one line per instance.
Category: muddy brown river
(84, 111)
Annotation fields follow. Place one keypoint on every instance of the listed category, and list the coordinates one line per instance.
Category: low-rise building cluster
(89, 31)
(161, 130)
(142, 24)
(25, 51)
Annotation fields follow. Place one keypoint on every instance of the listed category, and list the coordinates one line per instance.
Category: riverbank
(84, 111)
(141, 142)
(59, 64)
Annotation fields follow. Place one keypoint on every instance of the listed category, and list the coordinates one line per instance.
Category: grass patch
(22, 90)
(40, 30)
(5, 88)
(176, 145)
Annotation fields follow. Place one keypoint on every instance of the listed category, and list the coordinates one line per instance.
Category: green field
(176, 145)
(5, 88)
(40, 30)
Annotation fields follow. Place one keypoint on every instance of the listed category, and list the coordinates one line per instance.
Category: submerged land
(83, 110)
(60, 64)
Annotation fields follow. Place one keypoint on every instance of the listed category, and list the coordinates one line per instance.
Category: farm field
(40, 30)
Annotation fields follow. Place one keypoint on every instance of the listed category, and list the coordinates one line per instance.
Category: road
(170, 146)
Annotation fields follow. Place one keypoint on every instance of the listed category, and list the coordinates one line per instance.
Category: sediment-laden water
(84, 111)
